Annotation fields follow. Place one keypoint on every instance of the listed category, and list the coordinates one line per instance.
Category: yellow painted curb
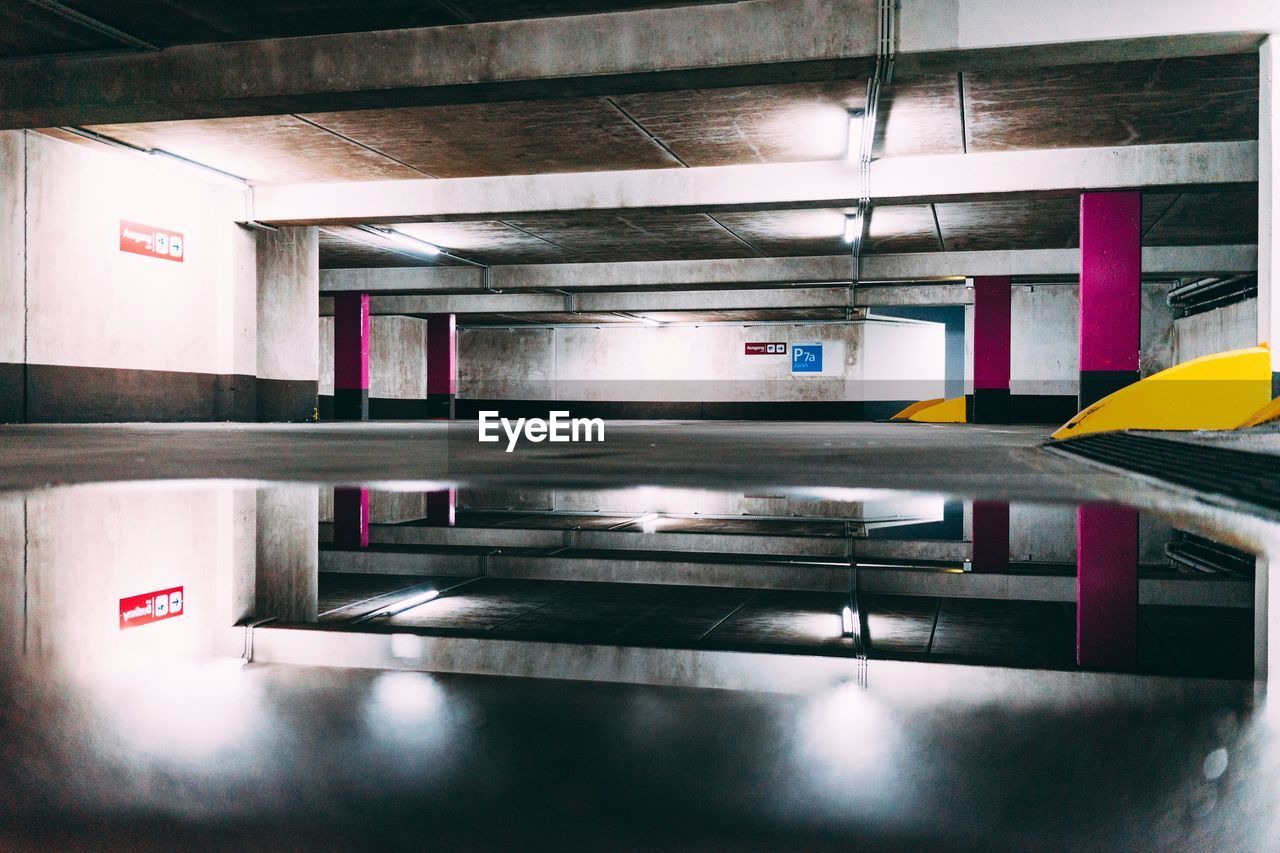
(1217, 391)
(944, 412)
(915, 407)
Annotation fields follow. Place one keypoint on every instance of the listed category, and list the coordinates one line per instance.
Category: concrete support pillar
(1106, 586)
(442, 364)
(1268, 198)
(991, 537)
(351, 356)
(13, 276)
(351, 518)
(288, 379)
(1110, 292)
(992, 301)
(286, 580)
(441, 506)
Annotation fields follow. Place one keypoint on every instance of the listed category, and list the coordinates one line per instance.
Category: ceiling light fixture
(856, 118)
(852, 227)
(422, 247)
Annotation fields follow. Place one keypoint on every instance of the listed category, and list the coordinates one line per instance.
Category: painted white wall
(12, 246)
(1044, 349)
(89, 304)
(871, 360)
(89, 547)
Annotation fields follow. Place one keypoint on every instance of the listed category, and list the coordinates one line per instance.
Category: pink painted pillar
(1106, 586)
(351, 518)
(1110, 292)
(351, 357)
(992, 301)
(441, 507)
(990, 537)
(442, 365)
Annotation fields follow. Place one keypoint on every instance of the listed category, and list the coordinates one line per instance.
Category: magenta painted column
(351, 518)
(992, 301)
(1106, 586)
(351, 357)
(442, 365)
(990, 537)
(441, 506)
(1110, 292)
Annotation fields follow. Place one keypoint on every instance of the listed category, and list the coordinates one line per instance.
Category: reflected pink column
(1106, 586)
(441, 507)
(351, 518)
(991, 537)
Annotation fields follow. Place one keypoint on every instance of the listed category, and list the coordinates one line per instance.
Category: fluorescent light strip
(856, 119)
(404, 241)
(852, 227)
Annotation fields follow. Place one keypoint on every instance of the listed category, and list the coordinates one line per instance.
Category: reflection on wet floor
(886, 651)
(925, 578)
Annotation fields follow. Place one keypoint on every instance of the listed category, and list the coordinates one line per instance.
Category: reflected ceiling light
(649, 321)
(846, 621)
(413, 244)
(852, 227)
(855, 135)
(398, 607)
(648, 523)
(408, 603)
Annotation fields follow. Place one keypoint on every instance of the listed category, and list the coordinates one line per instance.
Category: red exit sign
(152, 242)
(766, 348)
(137, 610)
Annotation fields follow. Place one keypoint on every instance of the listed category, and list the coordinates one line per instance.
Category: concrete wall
(89, 332)
(1044, 345)
(397, 365)
(87, 548)
(1232, 327)
(871, 360)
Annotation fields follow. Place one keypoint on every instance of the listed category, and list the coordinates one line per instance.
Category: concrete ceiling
(1216, 216)
(30, 28)
(1131, 103)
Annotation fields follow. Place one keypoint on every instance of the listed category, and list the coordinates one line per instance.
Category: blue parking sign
(806, 358)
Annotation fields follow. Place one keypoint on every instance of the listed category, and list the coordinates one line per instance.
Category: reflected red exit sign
(766, 348)
(151, 607)
(152, 242)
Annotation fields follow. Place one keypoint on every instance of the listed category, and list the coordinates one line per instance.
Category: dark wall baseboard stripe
(64, 394)
(13, 391)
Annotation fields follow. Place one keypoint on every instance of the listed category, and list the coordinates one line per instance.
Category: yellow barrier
(1219, 391)
(915, 407)
(1267, 413)
(940, 412)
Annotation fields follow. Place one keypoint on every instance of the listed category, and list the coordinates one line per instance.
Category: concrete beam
(894, 180)
(939, 35)
(762, 41)
(1030, 263)
(684, 300)
(685, 47)
(553, 277)
(459, 291)
(974, 176)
